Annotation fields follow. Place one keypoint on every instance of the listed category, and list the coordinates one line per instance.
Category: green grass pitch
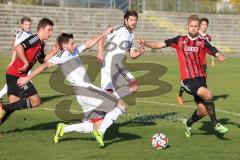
(28, 134)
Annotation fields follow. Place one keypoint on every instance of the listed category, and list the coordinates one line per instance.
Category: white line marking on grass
(151, 102)
(188, 106)
(53, 109)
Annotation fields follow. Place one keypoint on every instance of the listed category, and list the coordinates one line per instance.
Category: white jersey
(21, 35)
(113, 72)
(88, 95)
(120, 41)
(71, 66)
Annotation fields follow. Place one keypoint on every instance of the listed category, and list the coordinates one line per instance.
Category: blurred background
(158, 19)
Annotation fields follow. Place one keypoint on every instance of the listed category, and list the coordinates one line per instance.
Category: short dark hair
(63, 38)
(130, 13)
(25, 19)
(44, 22)
(204, 20)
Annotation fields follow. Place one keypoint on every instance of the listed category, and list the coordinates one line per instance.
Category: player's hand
(22, 81)
(24, 68)
(108, 30)
(220, 57)
(100, 58)
(141, 41)
(141, 50)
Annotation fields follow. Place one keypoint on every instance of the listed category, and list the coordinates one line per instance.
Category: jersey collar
(203, 34)
(191, 38)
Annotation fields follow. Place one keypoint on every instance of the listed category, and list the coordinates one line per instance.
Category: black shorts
(192, 85)
(13, 89)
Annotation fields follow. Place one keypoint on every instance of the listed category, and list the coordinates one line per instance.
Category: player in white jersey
(90, 97)
(118, 44)
(19, 36)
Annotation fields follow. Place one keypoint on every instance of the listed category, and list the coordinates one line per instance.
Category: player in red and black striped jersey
(190, 49)
(202, 33)
(29, 51)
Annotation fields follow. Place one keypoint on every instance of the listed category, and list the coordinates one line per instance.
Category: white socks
(84, 127)
(87, 127)
(110, 118)
(3, 91)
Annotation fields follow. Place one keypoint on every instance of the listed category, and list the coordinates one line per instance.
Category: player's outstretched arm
(154, 44)
(92, 42)
(212, 50)
(52, 52)
(24, 80)
(151, 44)
(220, 57)
(100, 50)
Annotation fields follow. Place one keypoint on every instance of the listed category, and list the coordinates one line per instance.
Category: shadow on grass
(50, 98)
(209, 130)
(113, 135)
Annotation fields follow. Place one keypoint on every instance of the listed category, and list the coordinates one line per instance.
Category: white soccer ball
(159, 141)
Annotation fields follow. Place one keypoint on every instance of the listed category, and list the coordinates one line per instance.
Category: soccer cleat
(59, 132)
(180, 100)
(188, 132)
(220, 128)
(98, 136)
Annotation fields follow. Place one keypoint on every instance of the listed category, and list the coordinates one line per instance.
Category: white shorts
(92, 98)
(114, 73)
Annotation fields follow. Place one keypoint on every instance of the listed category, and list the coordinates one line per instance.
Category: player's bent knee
(209, 96)
(35, 103)
(203, 114)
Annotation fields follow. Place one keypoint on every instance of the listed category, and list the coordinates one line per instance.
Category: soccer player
(202, 33)
(28, 52)
(92, 99)
(19, 36)
(190, 49)
(118, 44)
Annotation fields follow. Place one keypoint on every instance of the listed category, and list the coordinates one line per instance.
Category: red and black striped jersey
(209, 38)
(34, 50)
(205, 35)
(190, 52)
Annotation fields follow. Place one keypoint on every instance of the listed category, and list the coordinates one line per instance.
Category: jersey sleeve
(210, 48)
(57, 59)
(172, 41)
(21, 36)
(79, 49)
(30, 42)
(41, 55)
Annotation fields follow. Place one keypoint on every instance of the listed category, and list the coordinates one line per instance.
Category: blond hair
(193, 18)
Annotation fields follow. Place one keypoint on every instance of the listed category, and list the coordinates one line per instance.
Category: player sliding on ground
(92, 99)
(28, 52)
(190, 48)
